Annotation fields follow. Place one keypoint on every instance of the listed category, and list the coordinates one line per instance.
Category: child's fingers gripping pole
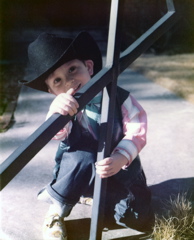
(64, 104)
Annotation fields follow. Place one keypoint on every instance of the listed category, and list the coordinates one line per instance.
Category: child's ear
(90, 66)
(50, 91)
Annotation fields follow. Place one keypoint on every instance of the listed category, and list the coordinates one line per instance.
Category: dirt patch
(175, 72)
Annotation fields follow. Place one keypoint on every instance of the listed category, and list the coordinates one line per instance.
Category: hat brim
(83, 47)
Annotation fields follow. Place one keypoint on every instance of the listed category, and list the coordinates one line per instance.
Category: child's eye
(72, 69)
(57, 80)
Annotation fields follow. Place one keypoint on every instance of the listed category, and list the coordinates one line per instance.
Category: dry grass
(175, 72)
(9, 91)
(178, 224)
(9, 87)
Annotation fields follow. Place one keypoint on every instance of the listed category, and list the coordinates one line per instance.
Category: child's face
(73, 74)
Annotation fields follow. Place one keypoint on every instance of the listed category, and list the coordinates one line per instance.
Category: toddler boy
(61, 67)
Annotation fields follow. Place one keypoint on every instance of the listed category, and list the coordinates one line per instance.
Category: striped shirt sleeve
(64, 132)
(134, 129)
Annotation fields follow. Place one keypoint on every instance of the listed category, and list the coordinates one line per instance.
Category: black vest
(79, 140)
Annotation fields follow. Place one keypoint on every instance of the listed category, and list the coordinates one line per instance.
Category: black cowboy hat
(49, 51)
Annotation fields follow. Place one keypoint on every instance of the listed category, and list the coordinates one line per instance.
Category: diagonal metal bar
(21, 156)
(107, 119)
(149, 37)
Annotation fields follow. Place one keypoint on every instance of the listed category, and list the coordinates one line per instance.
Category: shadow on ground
(80, 229)
(162, 192)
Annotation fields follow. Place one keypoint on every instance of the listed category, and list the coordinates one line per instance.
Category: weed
(178, 224)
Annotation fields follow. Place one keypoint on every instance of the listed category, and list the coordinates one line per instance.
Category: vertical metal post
(113, 52)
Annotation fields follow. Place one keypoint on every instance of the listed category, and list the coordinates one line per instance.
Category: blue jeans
(75, 177)
(128, 199)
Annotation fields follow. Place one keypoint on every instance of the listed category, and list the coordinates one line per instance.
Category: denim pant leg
(128, 200)
(75, 178)
(135, 210)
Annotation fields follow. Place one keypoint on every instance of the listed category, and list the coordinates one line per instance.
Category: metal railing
(116, 63)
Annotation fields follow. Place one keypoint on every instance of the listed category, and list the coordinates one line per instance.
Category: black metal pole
(107, 116)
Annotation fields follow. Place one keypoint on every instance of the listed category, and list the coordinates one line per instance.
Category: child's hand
(64, 104)
(111, 165)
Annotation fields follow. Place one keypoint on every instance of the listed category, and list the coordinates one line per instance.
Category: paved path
(167, 160)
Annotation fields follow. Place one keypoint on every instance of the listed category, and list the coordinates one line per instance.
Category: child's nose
(73, 81)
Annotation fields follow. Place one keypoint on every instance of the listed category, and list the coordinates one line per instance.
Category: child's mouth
(78, 87)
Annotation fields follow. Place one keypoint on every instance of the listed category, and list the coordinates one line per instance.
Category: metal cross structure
(116, 63)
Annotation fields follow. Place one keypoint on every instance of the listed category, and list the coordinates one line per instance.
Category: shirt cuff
(124, 153)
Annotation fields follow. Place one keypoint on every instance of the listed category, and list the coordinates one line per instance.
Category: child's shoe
(54, 228)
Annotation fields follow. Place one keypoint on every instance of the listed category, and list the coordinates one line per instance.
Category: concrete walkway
(167, 160)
